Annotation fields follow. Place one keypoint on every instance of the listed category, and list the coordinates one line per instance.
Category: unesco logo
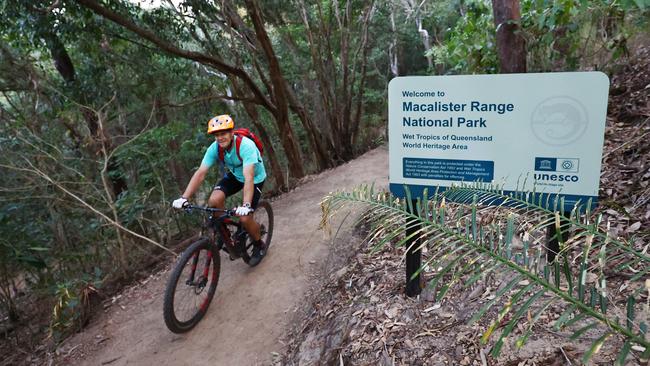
(567, 165)
(559, 121)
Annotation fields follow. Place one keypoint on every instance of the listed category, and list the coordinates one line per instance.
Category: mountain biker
(247, 173)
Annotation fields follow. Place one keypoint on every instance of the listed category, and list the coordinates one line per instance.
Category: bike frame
(220, 225)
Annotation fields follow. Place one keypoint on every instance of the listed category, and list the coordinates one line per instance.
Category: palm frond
(476, 231)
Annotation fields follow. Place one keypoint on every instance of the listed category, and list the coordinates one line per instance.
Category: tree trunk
(291, 147)
(102, 139)
(356, 120)
(343, 104)
(62, 61)
(46, 31)
(326, 90)
(510, 45)
(392, 48)
(323, 159)
(425, 40)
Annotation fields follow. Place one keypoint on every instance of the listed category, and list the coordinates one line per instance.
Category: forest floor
(318, 299)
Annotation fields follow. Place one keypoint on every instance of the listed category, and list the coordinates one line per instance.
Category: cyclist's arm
(195, 182)
(249, 183)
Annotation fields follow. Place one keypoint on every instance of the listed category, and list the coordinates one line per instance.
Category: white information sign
(547, 129)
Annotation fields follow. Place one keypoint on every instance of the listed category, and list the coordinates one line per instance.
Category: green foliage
(469, 46)
(49, 126)
(570, 34)
(21, 252)
(560, 35)
(72, 304)
(470, 231)
(145, 164)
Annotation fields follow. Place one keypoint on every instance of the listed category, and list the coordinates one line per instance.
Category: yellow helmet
(220, 123)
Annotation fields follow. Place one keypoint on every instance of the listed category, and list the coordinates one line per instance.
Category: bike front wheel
(191, 286)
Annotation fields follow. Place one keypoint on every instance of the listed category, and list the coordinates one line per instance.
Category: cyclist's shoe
(259, 251)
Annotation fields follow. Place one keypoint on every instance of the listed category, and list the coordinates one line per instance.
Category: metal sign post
(413, 257)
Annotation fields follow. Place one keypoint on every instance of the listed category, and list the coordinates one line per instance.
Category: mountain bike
(194, 280)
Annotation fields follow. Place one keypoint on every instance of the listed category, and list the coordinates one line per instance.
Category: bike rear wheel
(263, 215)
(191, 286)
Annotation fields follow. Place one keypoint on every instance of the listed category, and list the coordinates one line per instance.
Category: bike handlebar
(189, 207)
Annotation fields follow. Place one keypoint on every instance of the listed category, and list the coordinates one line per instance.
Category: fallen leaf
(638, 348)
(431, 308)
(634, 227)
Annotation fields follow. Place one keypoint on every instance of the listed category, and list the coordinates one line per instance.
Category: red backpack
(239, 134)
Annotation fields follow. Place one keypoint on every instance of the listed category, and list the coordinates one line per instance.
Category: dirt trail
(252, 307)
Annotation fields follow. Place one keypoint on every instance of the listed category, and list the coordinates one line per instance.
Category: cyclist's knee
(246, 219)
(217, 199)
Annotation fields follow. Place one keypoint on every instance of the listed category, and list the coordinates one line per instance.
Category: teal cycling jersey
(249, 154)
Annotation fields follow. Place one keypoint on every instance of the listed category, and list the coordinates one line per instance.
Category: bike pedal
(232, 255)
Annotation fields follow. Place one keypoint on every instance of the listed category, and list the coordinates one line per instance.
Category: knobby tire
(178, 282)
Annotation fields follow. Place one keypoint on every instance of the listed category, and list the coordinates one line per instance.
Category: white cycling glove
(179, 203)
(244, 210)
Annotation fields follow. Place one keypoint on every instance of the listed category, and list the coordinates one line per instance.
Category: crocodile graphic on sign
(559, 121)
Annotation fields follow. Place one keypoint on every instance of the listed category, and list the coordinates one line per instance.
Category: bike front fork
(199, 283)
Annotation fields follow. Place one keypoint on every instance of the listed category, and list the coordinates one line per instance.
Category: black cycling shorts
(229, 185)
